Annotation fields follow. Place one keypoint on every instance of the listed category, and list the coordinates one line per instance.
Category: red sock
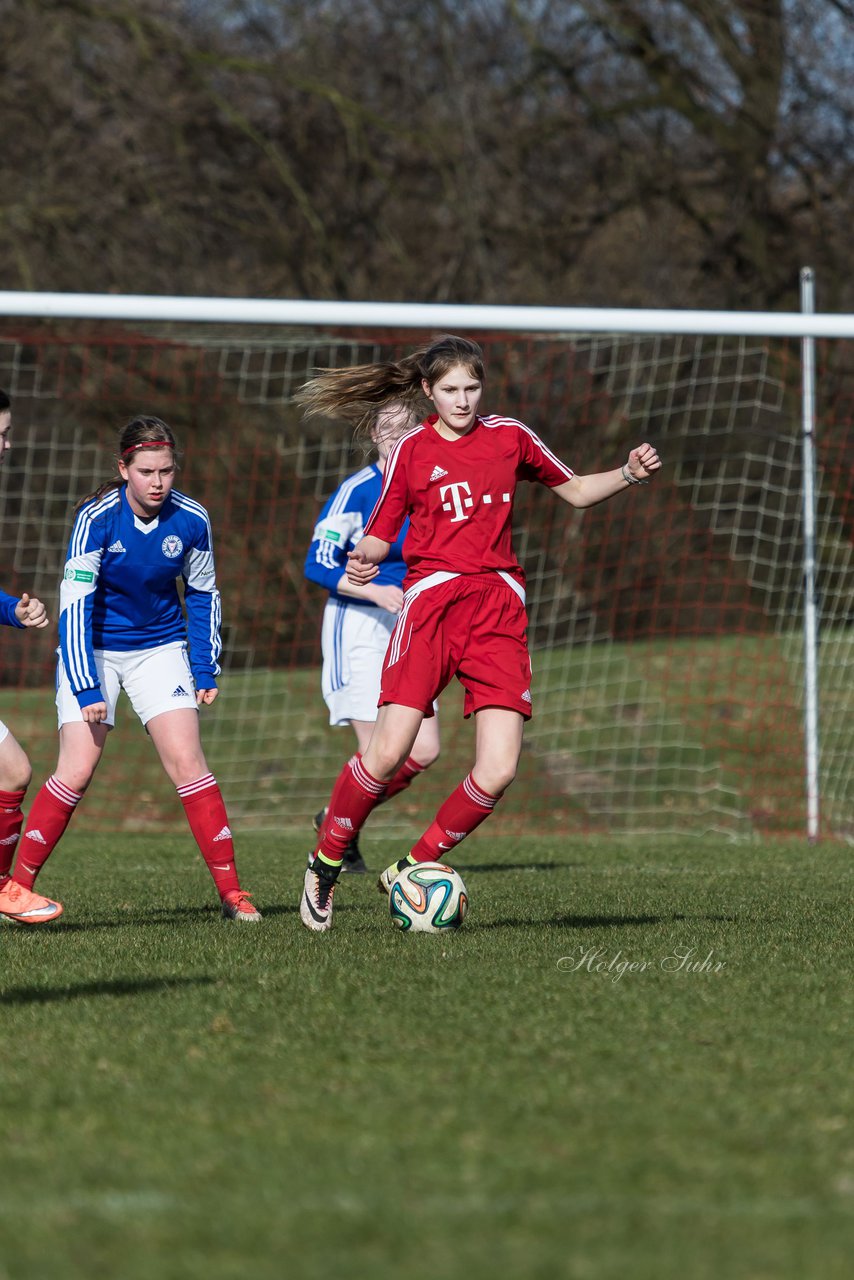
(50, 814)
(205, 810)
(11, 821)
(353, 797)
(402, 779)
(463, 811)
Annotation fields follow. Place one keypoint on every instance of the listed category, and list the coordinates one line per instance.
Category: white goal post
(436, 317)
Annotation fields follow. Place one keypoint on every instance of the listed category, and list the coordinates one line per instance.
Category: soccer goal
(685, 680)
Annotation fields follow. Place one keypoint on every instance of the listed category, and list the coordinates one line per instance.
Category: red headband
(148, 444)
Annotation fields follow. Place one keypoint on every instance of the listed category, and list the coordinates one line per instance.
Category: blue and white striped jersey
(119, 589)
(339, 527)
(8, 605)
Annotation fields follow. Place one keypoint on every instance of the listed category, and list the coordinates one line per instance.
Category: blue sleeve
(8, 604)
(326, 558)
(339, 527)
(204, 607)
(76, 601)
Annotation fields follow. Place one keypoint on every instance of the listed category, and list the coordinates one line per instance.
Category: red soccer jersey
(459, 494)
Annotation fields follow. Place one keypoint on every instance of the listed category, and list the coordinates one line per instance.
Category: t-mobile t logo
(458, 503)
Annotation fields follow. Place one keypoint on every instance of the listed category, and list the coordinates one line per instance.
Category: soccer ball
(428, 898)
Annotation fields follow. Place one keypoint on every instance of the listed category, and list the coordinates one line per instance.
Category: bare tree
(608, 151)
(727, 117)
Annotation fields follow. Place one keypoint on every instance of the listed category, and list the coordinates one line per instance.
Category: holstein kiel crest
(172, 546)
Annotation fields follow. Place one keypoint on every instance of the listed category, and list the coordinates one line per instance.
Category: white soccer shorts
(155, 680)
(353, 640)
(4, 731)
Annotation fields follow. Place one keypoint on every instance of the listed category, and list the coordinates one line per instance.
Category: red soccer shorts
(472, 626)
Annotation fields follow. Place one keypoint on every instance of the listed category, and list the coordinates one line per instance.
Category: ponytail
(357, 393)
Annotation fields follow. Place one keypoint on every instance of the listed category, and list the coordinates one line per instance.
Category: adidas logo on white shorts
(437, 474)
(180, 692)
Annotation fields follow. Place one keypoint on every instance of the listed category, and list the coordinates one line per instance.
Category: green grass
(188, 1098)
(702, 734)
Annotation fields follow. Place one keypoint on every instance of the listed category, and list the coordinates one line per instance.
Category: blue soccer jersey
(340, 526)
(120, 587)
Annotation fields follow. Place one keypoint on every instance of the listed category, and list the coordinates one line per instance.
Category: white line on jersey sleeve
(388, 474)
(494, 420)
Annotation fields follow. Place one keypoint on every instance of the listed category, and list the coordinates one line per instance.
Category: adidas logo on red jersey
(437, 474)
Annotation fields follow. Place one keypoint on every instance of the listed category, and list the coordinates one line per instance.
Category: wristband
(630, 479)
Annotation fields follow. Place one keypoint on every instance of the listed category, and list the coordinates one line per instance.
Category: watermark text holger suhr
(679, 960)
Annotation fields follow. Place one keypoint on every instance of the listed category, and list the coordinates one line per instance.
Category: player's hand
(95, 713)
(31, 612)
(359, 569)
(387, 596)
(644, 462)
(204, 697)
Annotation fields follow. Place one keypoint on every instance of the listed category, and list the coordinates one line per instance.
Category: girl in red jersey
(464, 613)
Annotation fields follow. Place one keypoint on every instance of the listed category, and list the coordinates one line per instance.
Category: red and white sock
(403, 778)
(355, 794)
(463, 811)
(205, 810)
(50, 813)
(11, 821)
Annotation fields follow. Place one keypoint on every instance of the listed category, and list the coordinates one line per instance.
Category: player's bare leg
(392, 740)
(80, 749)
(498, 745)
(425, 751)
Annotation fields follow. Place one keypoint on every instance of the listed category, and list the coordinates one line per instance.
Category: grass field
(187, 1098)
(700, 734)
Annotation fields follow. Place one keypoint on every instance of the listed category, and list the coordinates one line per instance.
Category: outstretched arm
(587, 491)
(363, 560)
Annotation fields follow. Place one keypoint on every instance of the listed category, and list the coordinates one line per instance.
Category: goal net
(666, 625)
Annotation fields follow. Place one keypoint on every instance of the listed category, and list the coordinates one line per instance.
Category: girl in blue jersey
(121, 626)
(358, 620)
(16, 902)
